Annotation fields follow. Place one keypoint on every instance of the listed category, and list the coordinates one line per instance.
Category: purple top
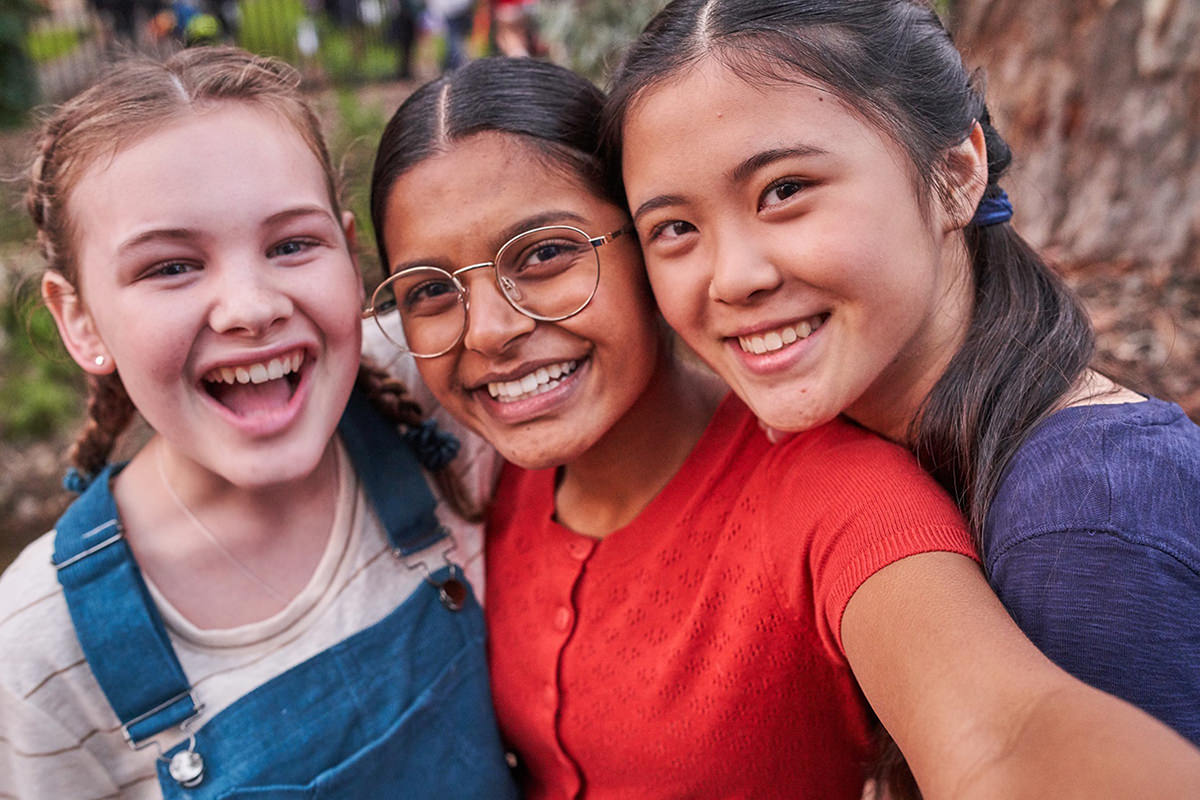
(1093, 545)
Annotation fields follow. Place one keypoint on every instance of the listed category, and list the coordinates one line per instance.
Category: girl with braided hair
(817, 188)
(267, 598)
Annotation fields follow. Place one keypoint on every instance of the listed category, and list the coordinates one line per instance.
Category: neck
(892, 402)
(610, 484)
(268, 540)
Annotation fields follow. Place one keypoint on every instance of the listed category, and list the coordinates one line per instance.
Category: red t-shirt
(696, 652)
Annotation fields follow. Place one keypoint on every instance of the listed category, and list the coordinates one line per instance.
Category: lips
(532, 383)
(257, 387)
(779, 338)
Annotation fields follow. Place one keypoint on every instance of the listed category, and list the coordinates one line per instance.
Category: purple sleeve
(1093, 545)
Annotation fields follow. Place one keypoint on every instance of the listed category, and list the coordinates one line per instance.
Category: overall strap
(391, 476)
(118, 626)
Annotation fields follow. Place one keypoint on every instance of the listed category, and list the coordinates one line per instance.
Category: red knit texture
(696, 652)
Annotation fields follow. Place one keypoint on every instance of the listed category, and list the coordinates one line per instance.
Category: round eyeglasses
(548, 274)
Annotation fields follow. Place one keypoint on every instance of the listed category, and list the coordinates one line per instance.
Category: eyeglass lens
(547, 274)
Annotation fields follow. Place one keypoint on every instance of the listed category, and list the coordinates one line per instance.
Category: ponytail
(1027, 345)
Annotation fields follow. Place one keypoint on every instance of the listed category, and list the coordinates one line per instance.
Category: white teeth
(776, 340)
(259, 372)
(533, 383)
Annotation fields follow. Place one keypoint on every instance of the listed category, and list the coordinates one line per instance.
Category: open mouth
(258, 387)
(770, 341)
(533, 383)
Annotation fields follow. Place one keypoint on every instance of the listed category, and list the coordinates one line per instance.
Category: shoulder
(1130, 470)
(37, 637)
(844, 469)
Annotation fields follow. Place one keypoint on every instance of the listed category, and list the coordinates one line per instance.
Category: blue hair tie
(434, 448)
(993, 210)
(76, 481)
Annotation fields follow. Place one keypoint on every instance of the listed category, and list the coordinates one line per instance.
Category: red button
(562, 618)
(579, 549)
(551, 696)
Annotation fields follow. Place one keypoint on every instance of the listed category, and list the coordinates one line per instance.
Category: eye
(429, 297)
(544, 259)
(169, 269)
(292, 247)
(673, 229)
(780, 191)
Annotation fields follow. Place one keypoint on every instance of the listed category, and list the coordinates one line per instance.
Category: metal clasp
(452, 592)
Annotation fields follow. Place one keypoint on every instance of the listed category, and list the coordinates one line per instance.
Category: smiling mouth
(532, 383)
(770, 341)
(256, 387)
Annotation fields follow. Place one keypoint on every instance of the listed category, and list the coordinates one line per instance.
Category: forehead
(462, 198)
(231, 161)
(710, 109)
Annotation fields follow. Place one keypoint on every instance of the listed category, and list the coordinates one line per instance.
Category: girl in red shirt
(676, 608)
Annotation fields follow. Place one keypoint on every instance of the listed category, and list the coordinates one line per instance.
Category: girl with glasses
(266, 600)
(677, 608)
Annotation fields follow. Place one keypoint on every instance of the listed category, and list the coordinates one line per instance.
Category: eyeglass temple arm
(608, 237)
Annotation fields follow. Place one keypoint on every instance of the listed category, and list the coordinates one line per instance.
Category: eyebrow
(767, 157)
(539, 220)
(187, 234)
(736, 175)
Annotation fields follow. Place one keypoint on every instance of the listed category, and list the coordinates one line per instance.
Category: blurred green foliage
(354, 137)
(589, 37)
(42, 388)
(48, 44)
(18, 84)
(270, 27)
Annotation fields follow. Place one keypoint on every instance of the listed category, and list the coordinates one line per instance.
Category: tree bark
(1100, 100)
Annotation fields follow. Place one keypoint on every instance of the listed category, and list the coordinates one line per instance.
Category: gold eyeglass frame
(464, 295)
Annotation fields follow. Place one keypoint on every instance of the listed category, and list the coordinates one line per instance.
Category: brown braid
(390, 397)
(109, 413)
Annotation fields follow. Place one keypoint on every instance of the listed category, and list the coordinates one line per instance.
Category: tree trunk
(1100, 100)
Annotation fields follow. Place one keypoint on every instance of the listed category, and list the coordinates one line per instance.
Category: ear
(75, 325)
(350, 231)
(966, 178)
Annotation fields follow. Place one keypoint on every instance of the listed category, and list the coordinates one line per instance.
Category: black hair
(556, 111)
(892, 62)
(1029, 341)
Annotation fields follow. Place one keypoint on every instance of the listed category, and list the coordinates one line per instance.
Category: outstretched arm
(980, 713)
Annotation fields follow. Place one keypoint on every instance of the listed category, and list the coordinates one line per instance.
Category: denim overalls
(399, 709)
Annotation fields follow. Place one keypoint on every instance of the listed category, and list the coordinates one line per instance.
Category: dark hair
(893, 63)
(555, 110)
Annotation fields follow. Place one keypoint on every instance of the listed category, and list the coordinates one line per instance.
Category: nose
(492, 324)
(249, 300)
(742, 272)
